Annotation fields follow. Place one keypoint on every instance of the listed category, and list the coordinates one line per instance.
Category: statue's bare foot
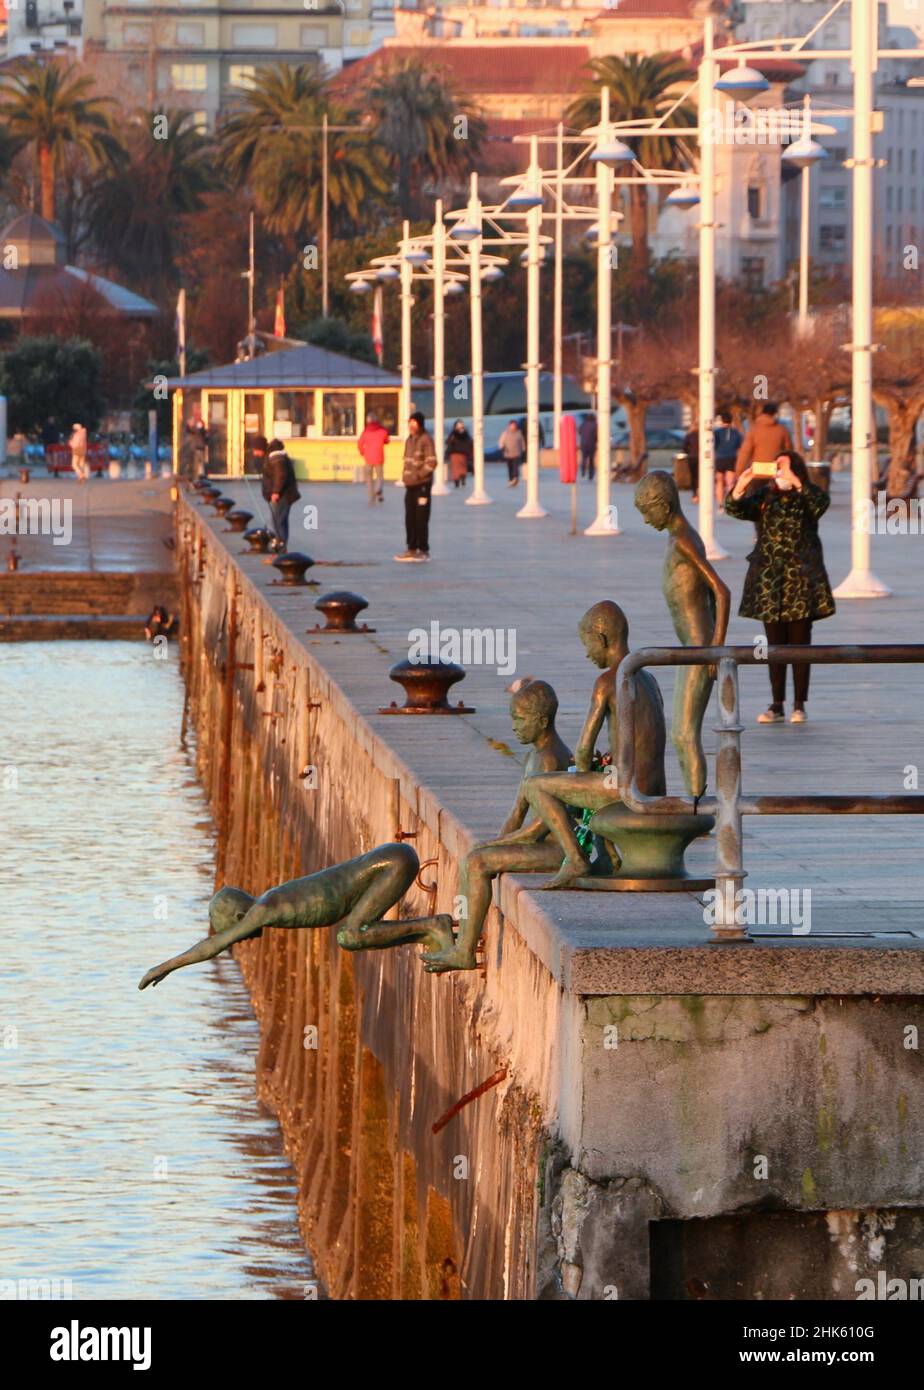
(452, 958)
(439, 935)
(154, 977)
(569, 871)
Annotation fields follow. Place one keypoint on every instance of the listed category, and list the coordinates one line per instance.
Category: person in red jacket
(371, 444)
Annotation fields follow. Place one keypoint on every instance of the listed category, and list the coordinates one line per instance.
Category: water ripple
(134, 1158)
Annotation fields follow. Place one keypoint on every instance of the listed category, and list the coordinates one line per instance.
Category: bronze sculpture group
(541, 832)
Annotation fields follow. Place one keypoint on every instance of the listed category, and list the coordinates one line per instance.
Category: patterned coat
(786, 578)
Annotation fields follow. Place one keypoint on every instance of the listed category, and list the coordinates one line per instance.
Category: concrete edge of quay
(657, 1102)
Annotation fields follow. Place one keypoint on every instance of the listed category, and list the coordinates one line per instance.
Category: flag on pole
(181, 331)
(279, 327)
(377, 339)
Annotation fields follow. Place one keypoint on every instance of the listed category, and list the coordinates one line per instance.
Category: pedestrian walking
(371, 445)
(691, 449)
(460, 451)
(765, 440)
(419, 463)
(200, 443)
(588, 442)
(78, 443)
(279, 489)
(786, 587)
(513, 446)
(728, 441)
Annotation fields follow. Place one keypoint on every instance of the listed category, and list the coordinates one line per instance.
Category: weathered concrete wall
(623, 1151)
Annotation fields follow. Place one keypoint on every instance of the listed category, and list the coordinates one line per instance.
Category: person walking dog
(419, 463)
(786, 587)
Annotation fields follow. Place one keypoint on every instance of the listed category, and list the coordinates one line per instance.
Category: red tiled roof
(780, 69)
(486, 69)
(647, 9)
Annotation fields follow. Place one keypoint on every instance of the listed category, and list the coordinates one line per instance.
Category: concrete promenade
(489, 570)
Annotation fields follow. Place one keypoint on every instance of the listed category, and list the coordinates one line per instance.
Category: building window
(253, 35)
(135, 35)
(888, 200)
(188, 77)
(838, 153)
(752, 272)
(242, 75)
(339, 414)
(384, 406)
(901, 199)
(889, 237)
(310, 36)
(901, 159)
(200, 121)
(914, 162)
(294, 414)
(190, 35)
(832, 239)
(835, 197)
(755, 201)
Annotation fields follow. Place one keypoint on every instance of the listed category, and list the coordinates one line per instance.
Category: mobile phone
(764, 470)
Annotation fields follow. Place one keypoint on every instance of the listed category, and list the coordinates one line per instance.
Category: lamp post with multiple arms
(864, 56)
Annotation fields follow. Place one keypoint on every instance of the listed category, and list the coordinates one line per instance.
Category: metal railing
(729, 805)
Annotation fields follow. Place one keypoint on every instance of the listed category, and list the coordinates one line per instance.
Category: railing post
(729, 869)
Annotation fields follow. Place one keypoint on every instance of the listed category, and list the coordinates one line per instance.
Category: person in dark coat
(417, 476)
(691, 449)
(588, 441)
(279, 489)
(786, 587)
(460, 451)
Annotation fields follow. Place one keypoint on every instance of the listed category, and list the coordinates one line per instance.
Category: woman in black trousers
(787, 587)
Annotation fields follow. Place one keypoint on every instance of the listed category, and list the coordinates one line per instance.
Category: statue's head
(228, 906)
(532, 710)
(604, 630)
(657, 498)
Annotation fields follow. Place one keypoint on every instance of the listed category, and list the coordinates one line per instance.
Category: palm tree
(134, 214)
(50, 105)
(273, 145)
(426, 130)
(640, 88)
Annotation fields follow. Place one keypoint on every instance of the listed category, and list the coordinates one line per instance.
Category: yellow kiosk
(314, 400)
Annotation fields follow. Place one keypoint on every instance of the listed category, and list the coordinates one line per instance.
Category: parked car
(654, 439)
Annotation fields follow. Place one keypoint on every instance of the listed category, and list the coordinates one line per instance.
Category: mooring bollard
(426, 685)
(222, 505)
(24, 475)
(292, 565)
(208, 494)
(237, 519)
(340, 609)
(258, 538)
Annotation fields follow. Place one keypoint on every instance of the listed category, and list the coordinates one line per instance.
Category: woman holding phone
(787, 587)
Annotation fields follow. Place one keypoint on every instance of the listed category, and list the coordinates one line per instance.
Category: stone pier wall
(362, 1054)
(666, 1122)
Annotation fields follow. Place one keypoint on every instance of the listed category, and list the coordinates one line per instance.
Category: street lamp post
(861, 582)
(407, 304)
(440, 487)
(706, 393)
(603, 523)
(532, 507)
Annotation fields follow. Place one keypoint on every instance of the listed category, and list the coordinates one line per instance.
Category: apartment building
(200, 54)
